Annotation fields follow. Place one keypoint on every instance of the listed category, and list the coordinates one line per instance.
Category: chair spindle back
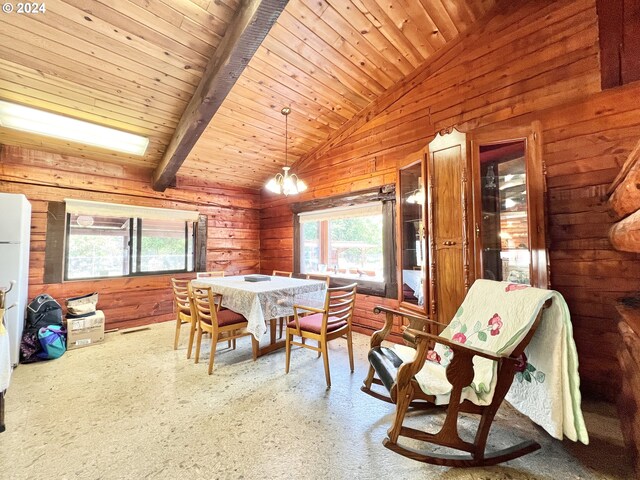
(339, 303)
(181, 295)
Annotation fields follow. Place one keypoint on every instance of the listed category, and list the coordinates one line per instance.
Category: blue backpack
(53, 341)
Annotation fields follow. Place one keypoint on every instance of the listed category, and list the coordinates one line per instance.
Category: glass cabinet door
(412, 199)
(509, 207)
(504, 225)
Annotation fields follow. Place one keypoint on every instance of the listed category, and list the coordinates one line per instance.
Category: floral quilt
(496, 316)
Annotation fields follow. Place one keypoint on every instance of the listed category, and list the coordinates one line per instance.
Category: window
(350, 238)
(98, 247)
(105, 240)
(343, 242)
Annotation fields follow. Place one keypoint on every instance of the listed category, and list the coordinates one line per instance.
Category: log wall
(535, 60)
(233, 241)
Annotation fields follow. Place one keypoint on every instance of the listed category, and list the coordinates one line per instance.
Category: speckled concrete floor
(134, 408)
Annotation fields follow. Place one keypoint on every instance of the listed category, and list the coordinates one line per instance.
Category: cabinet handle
(448, 243)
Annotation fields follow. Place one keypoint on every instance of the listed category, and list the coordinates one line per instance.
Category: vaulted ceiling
(134, 65)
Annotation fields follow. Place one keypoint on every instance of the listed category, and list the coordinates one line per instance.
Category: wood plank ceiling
(131, 65)
(327, 60)
(135, 64)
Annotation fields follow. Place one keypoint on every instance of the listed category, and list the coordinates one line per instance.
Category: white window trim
(86, 207)
(339, 213)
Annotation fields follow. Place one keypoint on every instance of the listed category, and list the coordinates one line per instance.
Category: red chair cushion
(229, 317)
(313, 323)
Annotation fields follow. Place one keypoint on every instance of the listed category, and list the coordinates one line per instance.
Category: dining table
(262, 301)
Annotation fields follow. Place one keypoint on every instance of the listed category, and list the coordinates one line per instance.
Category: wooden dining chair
(319, 276)
(324, 324)
(281, 273)
(184, 313)
(223, 325)
(213, 274)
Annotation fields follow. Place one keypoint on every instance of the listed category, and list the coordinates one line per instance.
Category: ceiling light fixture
(84, 220)
(27, 119)
(287, 184)
(416, 197)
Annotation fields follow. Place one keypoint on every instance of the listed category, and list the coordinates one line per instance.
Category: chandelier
(417, 196)
(287, 184)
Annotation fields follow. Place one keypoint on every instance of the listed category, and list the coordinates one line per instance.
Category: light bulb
(273, 186)
(289, 186)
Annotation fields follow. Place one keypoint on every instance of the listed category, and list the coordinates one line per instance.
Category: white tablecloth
(260, 301)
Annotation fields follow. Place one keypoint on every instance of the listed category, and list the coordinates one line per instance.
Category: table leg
(272, 330)
(273, 345)
(255, 347)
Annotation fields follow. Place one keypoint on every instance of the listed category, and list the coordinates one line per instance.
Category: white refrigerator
(15, 232)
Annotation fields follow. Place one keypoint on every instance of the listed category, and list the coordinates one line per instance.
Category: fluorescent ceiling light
(26, 119)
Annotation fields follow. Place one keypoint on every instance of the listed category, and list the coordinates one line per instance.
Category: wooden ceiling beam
(251, 24)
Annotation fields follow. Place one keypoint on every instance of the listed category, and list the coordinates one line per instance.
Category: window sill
(136, 275)
(365, 287)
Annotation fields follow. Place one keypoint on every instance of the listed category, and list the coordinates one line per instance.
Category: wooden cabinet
(479, 201)
(451, 270)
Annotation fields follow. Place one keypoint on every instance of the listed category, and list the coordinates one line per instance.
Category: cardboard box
(85, 331)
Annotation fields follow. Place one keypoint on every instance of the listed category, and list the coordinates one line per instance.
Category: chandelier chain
(285, 183)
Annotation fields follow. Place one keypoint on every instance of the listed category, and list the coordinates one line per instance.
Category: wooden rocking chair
(398, 378)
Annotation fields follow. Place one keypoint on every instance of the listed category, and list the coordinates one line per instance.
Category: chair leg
(192, 331)
(212, 353)
(369, 380)
(280, 327)
(198, 342)
(404, 398)
(320, 347)
(228, 343)
(288, 352)
(175, 341)
(350, 348)
(233, 342)
(325, 352)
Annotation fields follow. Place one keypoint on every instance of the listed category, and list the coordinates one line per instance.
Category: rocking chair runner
(399, 379)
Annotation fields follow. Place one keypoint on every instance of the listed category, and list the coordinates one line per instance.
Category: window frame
(56, 236)
(133, 259)
(386, 195)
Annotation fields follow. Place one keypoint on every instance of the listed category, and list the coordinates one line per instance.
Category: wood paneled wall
(584, 146)
(533, 60)
(233, 241)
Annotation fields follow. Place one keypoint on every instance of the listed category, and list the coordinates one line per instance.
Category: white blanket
(496, 316)
(554, 403)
